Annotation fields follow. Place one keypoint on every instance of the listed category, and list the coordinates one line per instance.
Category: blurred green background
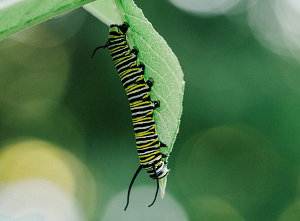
(65, 121)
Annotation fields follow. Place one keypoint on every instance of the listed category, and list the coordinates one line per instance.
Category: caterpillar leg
(156, 104)
(150, 82)
(162, 144)
(164, 155)
(142, 66)
(135, 51)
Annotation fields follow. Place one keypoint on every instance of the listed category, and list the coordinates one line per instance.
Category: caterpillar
(137, 89)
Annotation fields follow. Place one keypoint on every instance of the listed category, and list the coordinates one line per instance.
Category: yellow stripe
(147, 160)
(114, 37)
(150, 154)
(140, 119)
(145, 133)
(125, 72)
(143, 147)
(140, 103)
(142, 134)
(112, 50)
(123, 58)
(132, 88)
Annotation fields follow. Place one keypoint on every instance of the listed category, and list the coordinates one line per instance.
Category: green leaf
(106, 11)
(16, 15)
(161, 63)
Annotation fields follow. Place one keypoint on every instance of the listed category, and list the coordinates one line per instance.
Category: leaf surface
(161, 64)
(16, 15)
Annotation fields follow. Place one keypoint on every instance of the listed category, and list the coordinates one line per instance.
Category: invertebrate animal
(137, 89)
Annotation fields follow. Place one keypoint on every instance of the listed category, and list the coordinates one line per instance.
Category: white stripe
(117, 39)
(141, 128)
(160, 168)
(120, 49)
(147, 152)
(138, 90)
(141, 112)
(131, 79)
(117, 44)
(140, 107)
(119, 55)
(155, 135)
(151, 162)
(137, 96)
(129, 74)
(144, 122)
(144, 141)
(125, 66)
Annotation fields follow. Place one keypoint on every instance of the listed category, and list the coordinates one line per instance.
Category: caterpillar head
(121, 29)
(124, 27)
(162, 174)
(163, 180)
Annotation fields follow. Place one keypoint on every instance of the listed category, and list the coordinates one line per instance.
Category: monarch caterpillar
(137, 89)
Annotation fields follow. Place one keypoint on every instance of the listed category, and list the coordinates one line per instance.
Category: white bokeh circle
(206, 7)
(163, 210)
(39, 200)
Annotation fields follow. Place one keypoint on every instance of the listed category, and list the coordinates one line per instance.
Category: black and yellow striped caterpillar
(137, 89)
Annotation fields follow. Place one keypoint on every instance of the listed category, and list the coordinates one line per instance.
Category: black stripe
(144, 124)
(142, 108)
(147, 150)
(158, 171)
(148, 166)
(148, 143)
(145, 138)
(150, 158)
(133, 79)
(139, 93)
(114, 33)
(125, 64)
(120, 50)
(137, 98)
(117, 40)
(158, 175)
(112, 45)
(139, 114)
(137, 88)
(133, 100)
(144, 128)
(126, 77)
(120, 53)
(114, 48)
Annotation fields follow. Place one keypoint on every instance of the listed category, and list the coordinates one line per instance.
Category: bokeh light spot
(210, 208)
(276, 26)
(237, 164)
(32, 82)
(36, 159)
(38, 199)
(206, 7)
(291, 213)
(164, 210)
